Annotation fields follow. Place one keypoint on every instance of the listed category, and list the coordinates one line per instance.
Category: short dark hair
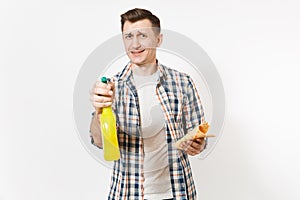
(137, 14)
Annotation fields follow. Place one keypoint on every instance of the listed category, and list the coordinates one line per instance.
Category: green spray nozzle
(104, 79)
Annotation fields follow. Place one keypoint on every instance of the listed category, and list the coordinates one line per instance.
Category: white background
(254, 44)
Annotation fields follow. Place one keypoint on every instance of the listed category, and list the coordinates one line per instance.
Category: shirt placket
(133, 90)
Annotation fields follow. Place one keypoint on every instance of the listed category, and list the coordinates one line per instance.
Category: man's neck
(144, 70)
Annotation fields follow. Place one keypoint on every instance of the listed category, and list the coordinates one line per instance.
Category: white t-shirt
(157, 183)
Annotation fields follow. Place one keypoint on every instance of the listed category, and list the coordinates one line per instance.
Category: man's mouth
(137, 52)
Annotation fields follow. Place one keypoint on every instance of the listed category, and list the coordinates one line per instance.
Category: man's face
(141, 41)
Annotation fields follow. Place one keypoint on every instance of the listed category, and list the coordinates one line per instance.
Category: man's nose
(136, 42)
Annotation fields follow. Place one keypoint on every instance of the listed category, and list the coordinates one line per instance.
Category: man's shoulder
(174, 73)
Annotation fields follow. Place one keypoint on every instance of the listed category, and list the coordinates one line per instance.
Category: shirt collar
(126, 74)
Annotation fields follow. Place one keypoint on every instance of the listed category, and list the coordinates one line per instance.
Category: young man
(155, 106)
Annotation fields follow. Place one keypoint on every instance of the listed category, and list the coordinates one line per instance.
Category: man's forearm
(95, 131)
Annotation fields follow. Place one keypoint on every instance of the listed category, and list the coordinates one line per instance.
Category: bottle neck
(106, 110)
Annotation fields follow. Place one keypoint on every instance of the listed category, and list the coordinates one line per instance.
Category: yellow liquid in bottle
(109, 135)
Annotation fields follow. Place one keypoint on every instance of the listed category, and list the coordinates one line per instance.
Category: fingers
(185, 145)
(193, 147)
(103, 89)
(199, 142)
(101, 101)
(103, 92)
(101, 95)
(111, 85)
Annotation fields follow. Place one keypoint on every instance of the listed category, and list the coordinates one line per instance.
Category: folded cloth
(198, 132)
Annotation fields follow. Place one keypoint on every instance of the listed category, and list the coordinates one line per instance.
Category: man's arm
(194, 115)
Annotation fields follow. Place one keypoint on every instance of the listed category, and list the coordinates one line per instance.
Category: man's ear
(159, 39)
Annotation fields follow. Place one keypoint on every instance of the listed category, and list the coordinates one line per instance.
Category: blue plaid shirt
(183, 111)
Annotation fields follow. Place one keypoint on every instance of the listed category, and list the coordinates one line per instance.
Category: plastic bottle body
(109, 135)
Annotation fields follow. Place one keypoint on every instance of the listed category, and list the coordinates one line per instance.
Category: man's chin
(137, 61)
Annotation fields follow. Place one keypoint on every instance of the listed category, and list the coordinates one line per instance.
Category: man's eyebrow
(127, 33)
(138, 31)
(141, 32)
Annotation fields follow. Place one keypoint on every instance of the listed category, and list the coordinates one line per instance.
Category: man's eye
(128, 37)
(143, 36)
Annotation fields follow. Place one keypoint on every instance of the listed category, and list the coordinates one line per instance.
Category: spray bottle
(109, 132)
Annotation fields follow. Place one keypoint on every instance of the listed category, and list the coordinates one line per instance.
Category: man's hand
(194, 147)
(101, 95)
